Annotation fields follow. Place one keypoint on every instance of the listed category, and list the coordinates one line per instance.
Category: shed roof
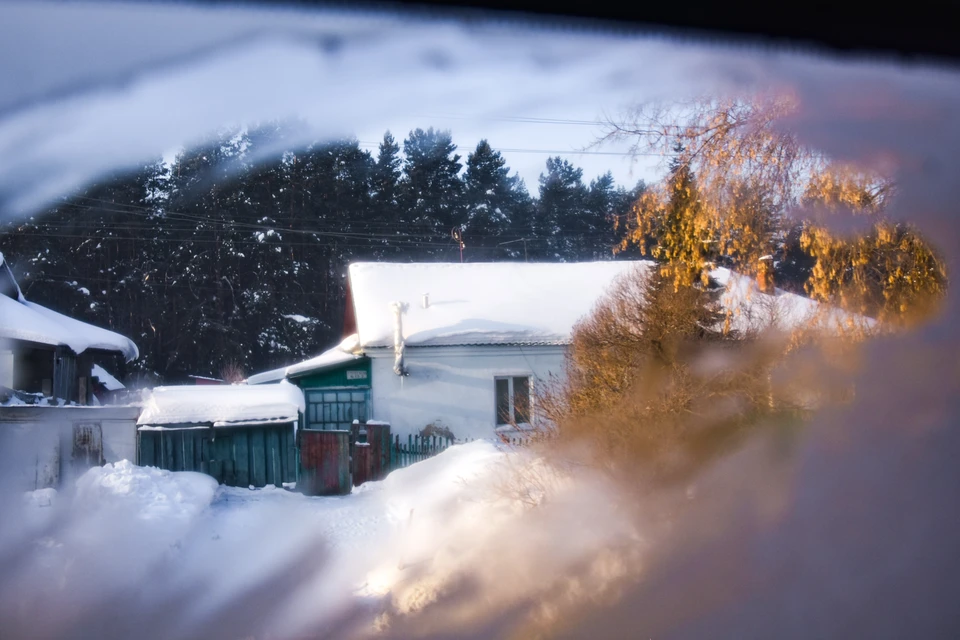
(21, 319)
(222, 406)
(339, 355)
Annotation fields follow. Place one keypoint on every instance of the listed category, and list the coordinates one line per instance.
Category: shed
(48, 353)
(43, 446)
(240, 435)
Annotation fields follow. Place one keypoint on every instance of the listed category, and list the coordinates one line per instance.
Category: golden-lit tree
(734, 177)
(654, 385)
(889, 272)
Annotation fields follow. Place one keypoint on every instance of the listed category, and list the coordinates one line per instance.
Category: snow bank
(223, 405)
(478, 303)
(153, 494)
(306, 560)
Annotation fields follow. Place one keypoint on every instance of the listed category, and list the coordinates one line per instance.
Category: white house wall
(453, 385)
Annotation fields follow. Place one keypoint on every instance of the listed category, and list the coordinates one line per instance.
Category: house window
(513, 400)
(335, 408)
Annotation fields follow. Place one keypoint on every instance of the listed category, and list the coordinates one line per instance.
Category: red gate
(324, 462)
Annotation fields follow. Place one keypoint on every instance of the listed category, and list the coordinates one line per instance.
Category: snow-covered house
(47, 353)
(463, 347)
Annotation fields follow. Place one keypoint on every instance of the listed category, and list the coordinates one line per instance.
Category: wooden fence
(416, 449)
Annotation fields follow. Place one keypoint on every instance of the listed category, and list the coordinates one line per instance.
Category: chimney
(426, 300)
(765, 275)
(398, 310)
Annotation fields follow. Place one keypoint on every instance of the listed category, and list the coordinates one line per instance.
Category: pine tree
(494, 200)
(561, 222)
(432, 189)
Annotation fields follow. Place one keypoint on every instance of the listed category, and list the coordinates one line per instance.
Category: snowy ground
(145, 541)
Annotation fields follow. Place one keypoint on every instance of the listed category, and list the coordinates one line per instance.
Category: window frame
(511, 398)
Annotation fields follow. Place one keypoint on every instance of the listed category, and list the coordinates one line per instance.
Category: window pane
(503, 401)
(521, 399)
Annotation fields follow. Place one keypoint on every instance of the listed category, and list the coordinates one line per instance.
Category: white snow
(751, 310)
(107, 380)
(478, 303)
(340, 354)
(154, 494)
(21, 319)
(296, 317)
(222, 405)
(533, 303)
(406, 539)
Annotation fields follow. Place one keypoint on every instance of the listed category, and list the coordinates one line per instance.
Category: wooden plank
(258, 458)
(167, 446)
(274, 451)
(378, 439)
(289, 456)
(362, 463)
(241, 456)
(223, 453)
(147, 448)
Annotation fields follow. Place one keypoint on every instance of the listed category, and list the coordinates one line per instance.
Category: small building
(460, 349)
(241, 435)
(45, 354)
(46, 447)
(335, 385)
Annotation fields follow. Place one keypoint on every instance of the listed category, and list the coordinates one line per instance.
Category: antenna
(457, 234)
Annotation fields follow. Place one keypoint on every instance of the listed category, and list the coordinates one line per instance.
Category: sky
(89, 88)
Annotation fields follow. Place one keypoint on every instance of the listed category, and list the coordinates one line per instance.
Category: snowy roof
(21, 319)
(340, 354)
(107, 380)
(223, 406)
(751, 309)
(478, 303)
(534, 303)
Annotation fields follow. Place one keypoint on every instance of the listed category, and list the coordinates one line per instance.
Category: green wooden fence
(239, 457)
(419, 448)
(415, 449)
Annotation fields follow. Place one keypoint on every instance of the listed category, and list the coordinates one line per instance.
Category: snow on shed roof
(340, 354)
(107, 380)
(478, 303)
(21, 319)
(222, 406)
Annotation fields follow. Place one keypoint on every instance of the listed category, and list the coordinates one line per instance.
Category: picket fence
(418, 448)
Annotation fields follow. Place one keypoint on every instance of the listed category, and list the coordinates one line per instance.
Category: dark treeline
(234, 256)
